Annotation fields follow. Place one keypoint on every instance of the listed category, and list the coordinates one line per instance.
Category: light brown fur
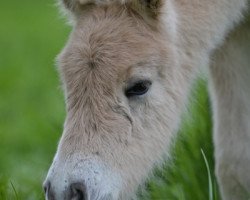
(113, 44)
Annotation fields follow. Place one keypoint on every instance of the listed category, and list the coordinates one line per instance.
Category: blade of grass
(210, 185)
(14, 189)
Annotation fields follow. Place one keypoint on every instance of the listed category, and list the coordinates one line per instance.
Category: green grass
(32, 112)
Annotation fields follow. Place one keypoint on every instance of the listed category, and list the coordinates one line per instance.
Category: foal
(127, 70)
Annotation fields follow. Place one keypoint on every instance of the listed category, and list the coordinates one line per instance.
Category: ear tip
(152, 7)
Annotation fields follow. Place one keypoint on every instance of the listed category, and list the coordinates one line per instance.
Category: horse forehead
(105, 45)
(112, 36)
(102, 59)
(118, 46)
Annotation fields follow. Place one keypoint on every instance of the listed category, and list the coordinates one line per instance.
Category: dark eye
(138, 88)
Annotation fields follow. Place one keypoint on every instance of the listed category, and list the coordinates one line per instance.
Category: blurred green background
(32, 111)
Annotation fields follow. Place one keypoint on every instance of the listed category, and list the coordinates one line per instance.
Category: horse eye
(139, 88)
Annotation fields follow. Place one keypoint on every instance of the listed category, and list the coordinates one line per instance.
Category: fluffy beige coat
(111, 142)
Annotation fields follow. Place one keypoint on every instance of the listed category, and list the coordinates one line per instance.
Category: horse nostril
(78, 191)
(48, 192)
(46, 187)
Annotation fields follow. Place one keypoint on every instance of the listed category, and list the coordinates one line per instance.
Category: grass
(210, 184)
(32, 112)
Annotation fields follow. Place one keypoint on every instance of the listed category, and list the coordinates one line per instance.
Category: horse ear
(70, 5)
(149, 8)
(71, 8)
